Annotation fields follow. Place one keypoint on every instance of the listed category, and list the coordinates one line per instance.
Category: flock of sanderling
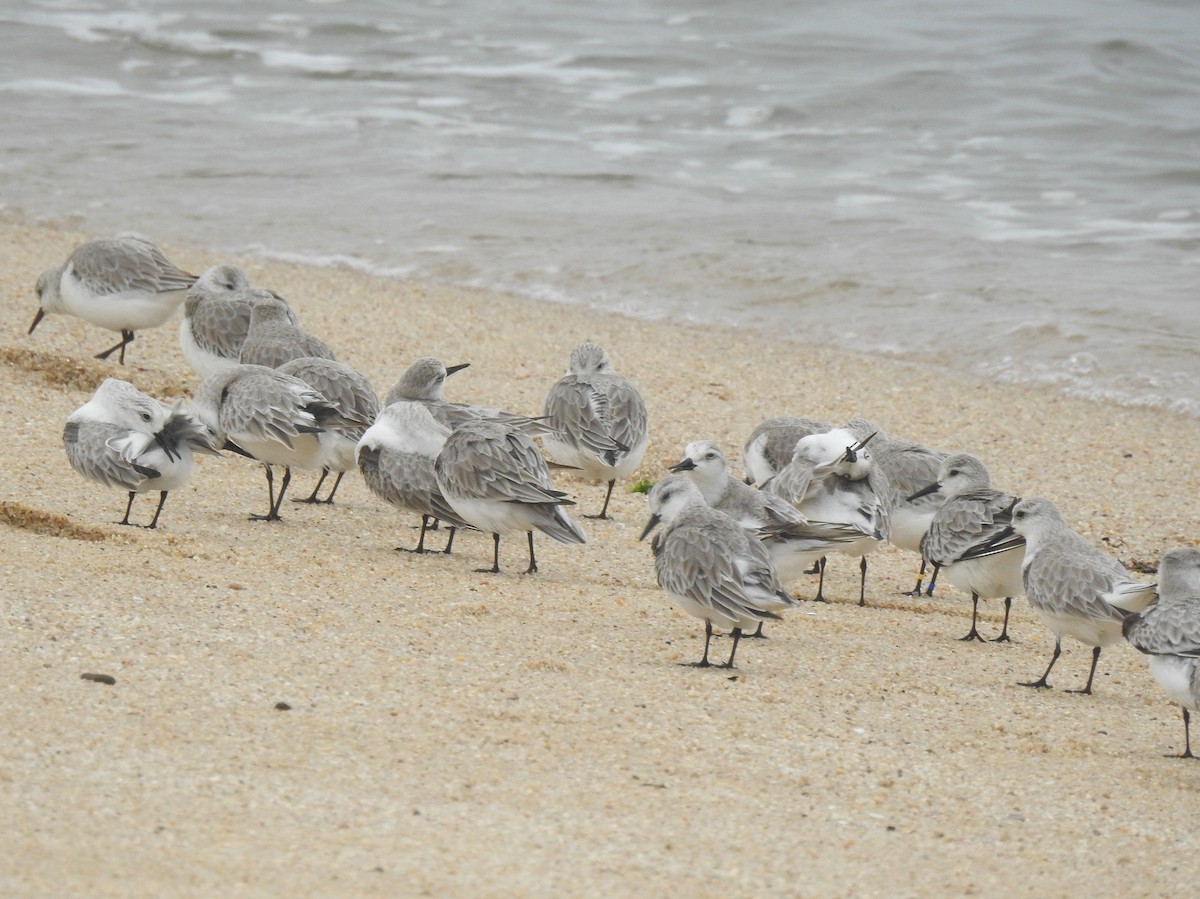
(727, 548)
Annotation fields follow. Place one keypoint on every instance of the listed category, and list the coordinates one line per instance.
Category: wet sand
(451, 733)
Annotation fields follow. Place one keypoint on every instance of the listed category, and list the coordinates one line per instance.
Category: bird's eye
(954, 471)
(145, 416)
(1019, 515)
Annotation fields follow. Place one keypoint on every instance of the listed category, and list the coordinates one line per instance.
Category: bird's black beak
(650, 525)
(684, 465)
(171, 452)
(451, 369)
(41, 313)
(853, 451)
(924, 491)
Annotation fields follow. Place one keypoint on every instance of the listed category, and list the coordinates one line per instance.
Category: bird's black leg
(420, 540)
(736, 633)
(1187, 737)
(704, 662)
(1087, 690)
(126, 339)
(270, 495)
(312, 497)
(450, 540)
(604, 511)
(933, 579)
(128, 508)
(758, 634)
(162, 498)
(532, 569)
(973, 633)
(337, 483)
(916, 591)
(1042, 682)
(495, 569)
(862, 582)
(1004, 637)
(820, 597)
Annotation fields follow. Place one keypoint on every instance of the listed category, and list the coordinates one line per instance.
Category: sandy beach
(451, 733)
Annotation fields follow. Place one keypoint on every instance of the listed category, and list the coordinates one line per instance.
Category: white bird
(598, 419)
(353, 396)
(274, 337)
(910, 467)
(272, 417)
(216, 317)
(773, 443)
(1077, 590)
(494, 478)
(1169, 632)
(123, 284)
(396, 456)
(123, 438)
(969, 540)
(832, 478)
(710, 565)
(792, 541)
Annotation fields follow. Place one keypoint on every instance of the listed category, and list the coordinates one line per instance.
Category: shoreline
(466, 734)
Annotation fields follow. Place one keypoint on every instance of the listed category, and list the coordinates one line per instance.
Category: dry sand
(461, 734)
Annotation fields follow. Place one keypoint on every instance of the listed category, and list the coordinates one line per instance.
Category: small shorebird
(273, 338)
(216, 317)
(1077, 590)
(123, 438)
(598, 419)
(1169, 632)
(123, 284)
(969, 540)
(710, 565)
(353, 396)
(396, 456)
(494, 478)
(773, 443)
(274, 418)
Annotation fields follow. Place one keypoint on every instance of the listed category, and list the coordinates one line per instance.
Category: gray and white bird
(494, 478)
(772, 444)
(124, 284)
(216, 318)
(710, 565)
(396, 456)
(424, 382)
(1169, 633)
(599, 420)
(353, 396)
(273, 338)
(123, 438)
(1077, 590)
(272, 417)
(969, 541)
(792, 541)
(832, 478)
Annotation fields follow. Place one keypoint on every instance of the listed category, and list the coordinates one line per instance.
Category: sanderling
(599, 420)
(961, 542)
(1077, 590)
(773, 443)
(396, 457)
(354, 397)
(832, 478)
(273, 338)
(216, 317)
(123, 284)
(1169, 632)
(424, 382)
(269, 416)
(710, 565)
(494, 477)
(123, 438)
(793, 541)
(909, 467)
